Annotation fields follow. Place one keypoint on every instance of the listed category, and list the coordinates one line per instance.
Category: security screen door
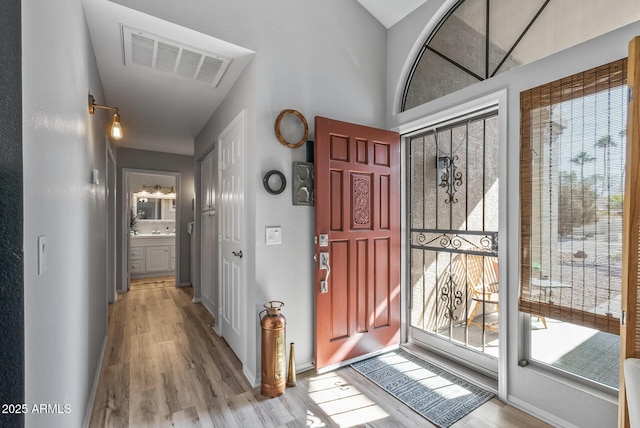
(453, 187)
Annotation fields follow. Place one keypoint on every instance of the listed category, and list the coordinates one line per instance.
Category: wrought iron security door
(454, 232)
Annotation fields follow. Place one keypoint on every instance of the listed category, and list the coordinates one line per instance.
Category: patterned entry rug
(438, 396)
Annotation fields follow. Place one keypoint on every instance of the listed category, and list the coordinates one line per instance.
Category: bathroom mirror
(148, 208)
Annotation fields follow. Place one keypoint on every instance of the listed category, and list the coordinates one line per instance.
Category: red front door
(357, 227)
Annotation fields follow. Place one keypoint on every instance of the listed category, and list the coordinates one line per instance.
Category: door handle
(324, 265)
(238, 254)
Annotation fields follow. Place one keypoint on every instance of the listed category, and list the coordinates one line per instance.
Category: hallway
(164, 366)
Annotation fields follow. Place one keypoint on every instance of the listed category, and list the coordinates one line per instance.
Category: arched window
(478, 39)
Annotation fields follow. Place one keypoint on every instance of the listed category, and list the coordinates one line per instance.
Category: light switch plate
(95, 176)
(273, 235)
(42, 254)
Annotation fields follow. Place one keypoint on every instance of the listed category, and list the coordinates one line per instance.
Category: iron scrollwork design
(451, 297)
(450, 177)
(465, 242)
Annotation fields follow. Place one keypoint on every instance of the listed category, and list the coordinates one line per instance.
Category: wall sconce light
(448, 177)
(116, 128)
(443, 163)
(157, 190)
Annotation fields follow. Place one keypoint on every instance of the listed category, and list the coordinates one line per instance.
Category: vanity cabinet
(136, 260)
(152, 255)
(172, 257)
(157, 259)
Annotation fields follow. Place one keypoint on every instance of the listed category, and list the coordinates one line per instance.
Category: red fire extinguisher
(273, 350)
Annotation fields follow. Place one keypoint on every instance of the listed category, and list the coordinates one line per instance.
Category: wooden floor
(164, 366)
(153, 282)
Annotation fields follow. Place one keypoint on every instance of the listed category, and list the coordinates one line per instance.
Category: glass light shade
(116, 128)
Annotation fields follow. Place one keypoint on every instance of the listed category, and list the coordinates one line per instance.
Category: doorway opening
(151, 219)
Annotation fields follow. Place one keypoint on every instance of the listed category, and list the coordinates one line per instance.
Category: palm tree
(580, 159)
(606, 143)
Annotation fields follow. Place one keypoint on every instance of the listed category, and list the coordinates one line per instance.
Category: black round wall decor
(267, 184)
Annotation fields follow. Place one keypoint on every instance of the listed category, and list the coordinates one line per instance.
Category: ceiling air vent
(151, 51)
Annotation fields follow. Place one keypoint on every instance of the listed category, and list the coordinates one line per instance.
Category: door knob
(238, 254)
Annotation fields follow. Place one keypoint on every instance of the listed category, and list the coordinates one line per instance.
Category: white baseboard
(253, 381)
(185, 284)
(196, 300)
(94, 387)
(304, 367)
(209, 307)
(216, 329)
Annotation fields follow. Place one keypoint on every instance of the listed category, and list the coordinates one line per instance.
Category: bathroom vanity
(152, 255)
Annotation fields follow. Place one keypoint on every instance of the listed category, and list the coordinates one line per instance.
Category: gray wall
(11, 257)
(161, 162)
(320, 58)
(550, 397)
(65, 306)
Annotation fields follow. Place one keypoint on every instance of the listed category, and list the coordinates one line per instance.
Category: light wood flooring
(164, 366)
(152, 282)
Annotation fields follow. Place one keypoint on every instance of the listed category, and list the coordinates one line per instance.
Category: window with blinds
(572, 185)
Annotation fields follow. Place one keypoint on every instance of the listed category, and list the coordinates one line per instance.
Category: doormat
(439, 396)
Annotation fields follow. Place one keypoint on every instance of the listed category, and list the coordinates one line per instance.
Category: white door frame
(499, 100)
(239, 119)
(125, 221)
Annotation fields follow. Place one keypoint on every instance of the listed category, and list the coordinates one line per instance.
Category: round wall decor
(270, 184)
(278, 130)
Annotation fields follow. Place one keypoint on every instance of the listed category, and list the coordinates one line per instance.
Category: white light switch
(42, 254)
(273, 235)
(95, 176)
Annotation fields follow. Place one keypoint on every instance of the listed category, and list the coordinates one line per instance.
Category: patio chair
(483, 285)
(482, 279)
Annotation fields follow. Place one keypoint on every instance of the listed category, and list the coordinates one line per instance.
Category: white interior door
(231, 312)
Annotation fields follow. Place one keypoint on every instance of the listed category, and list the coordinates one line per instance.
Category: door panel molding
(358, 206)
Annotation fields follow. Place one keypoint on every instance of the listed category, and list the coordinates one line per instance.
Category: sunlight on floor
(441, 386)
(342, 402)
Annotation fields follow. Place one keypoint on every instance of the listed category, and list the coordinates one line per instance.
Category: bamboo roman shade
(572, 165)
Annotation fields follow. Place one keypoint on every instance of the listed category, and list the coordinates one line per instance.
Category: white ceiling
(158, 111)
(161, 112)
(389, 12)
